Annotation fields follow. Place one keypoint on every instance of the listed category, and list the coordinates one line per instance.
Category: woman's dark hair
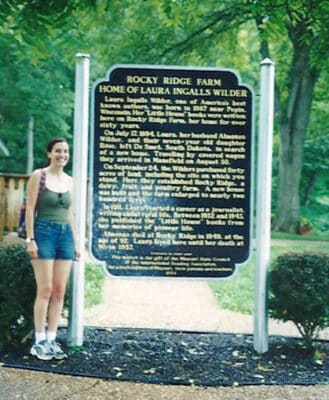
(51, 144)
(53, 141)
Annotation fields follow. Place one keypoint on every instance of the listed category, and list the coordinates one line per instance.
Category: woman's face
(59, 154)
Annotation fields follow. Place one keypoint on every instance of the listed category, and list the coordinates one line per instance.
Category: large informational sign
(171, 172)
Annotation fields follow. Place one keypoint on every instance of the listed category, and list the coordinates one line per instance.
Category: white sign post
(263, 218)
(80, 167)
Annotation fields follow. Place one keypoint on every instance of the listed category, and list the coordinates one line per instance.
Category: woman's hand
(32, 249)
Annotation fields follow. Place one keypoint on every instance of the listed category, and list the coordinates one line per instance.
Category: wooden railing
(12, 191)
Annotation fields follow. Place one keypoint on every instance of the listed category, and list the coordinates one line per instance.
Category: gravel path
(171, 304)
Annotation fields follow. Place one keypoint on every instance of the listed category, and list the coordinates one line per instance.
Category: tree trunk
(309, 187)
(293, 128)
(29, 165)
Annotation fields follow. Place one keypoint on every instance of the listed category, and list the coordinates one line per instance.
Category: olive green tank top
(53, 206)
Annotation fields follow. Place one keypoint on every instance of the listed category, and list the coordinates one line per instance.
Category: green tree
(305, 24)
(316, 162)
(42, 91)
(37, 41)
(230, 33)
(295, 34)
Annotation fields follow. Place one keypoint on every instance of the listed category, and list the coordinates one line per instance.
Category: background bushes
(17, 293)
(299, 292)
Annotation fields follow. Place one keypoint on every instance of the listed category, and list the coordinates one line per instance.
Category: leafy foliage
(94, 282)
(17, 291)
(36, 80)
(300, 292)
(39, 39)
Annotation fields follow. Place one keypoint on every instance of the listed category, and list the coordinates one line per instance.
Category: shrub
(299, 292)
(17, 292)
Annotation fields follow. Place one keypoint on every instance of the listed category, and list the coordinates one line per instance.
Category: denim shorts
(54, 240)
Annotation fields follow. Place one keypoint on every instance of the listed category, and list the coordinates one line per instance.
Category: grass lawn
(94, 282)
(237, 292)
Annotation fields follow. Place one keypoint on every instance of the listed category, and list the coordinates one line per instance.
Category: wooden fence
(12, 191)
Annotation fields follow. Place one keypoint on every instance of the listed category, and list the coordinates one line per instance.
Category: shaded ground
(30, 385)
(185, 358)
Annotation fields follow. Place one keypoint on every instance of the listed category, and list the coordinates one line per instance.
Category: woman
(51, 245)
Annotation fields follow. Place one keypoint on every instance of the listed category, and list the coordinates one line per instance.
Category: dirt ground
(28, 385)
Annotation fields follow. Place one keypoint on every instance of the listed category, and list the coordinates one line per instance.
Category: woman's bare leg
(43, 272)
(61, 273)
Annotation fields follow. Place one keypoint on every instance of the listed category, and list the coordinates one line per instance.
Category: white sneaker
(57, 352)
(42, 351)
